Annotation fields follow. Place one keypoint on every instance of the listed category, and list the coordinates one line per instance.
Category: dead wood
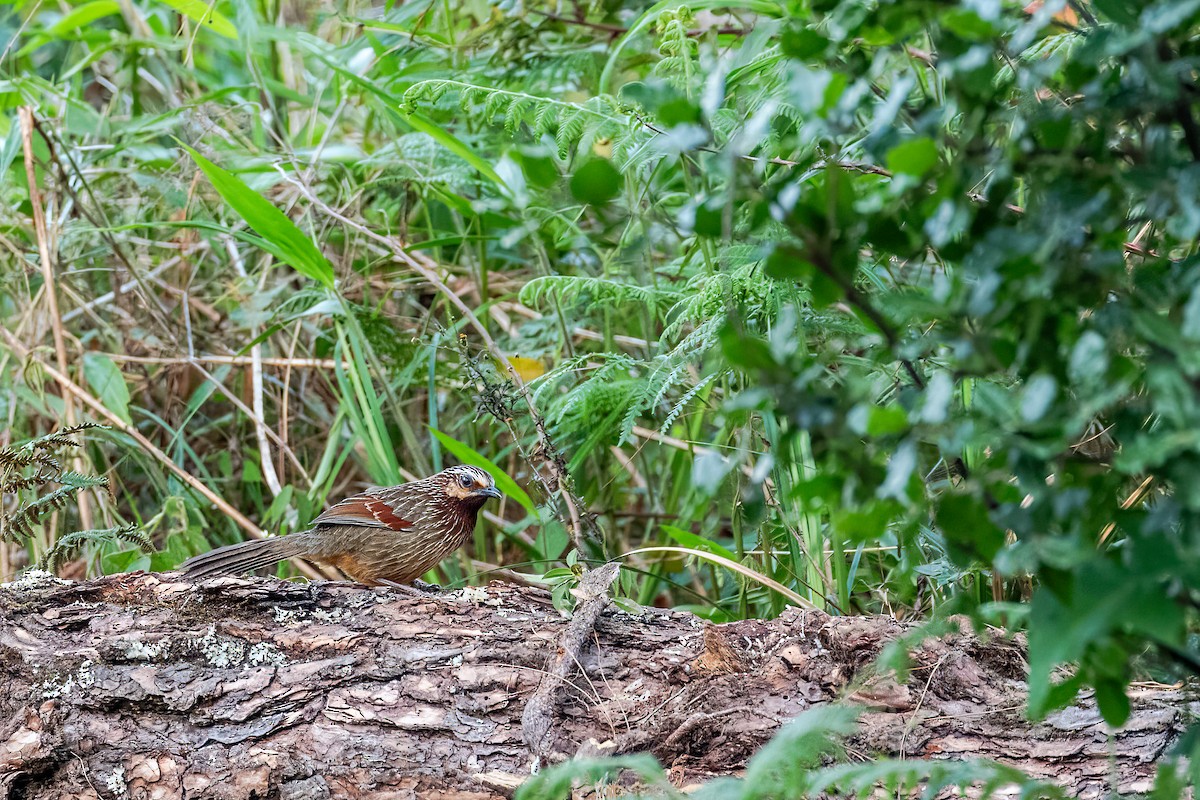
(144, 686)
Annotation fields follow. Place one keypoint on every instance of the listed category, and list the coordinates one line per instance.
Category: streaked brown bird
(381, 537)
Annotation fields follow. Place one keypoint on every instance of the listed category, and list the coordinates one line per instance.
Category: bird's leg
(430, 588)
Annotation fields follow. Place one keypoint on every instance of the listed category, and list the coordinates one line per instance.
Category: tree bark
(145, 686)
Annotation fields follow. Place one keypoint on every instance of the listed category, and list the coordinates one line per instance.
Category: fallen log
(146, 686)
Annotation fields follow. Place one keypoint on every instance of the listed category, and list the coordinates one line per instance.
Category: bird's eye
(465, 481)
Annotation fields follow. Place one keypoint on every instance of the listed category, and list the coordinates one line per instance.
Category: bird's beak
(490, 491)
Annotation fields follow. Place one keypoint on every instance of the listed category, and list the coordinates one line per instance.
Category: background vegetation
(882, 306)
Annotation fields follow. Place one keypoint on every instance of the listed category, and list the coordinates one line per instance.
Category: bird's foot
(416, 588)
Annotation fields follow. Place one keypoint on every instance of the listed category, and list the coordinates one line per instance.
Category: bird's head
(468, 485)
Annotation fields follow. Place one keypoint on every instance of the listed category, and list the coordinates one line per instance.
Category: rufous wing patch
(387, 515)
(365, 510)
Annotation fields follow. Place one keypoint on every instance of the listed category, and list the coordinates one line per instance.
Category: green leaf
(1113, 702)
(288, 243)
(205, 15)
(107, 383)
(914, 157)
(596, 182)
(84, 15)
(688, 539)
(124, 561)
(504, 483)
(970, 535)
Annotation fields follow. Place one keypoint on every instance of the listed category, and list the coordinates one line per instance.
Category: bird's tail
(245, 556)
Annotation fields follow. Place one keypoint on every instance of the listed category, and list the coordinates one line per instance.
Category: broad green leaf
(107, 383)
(914, 157)
(204, 15)
(124, 561)
(596, 182)
(83, 15)
(688, 539)
(290, 244)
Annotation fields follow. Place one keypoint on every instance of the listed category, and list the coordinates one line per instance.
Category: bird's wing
(366, 510)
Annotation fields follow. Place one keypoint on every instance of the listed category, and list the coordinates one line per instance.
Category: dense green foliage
(879, 305)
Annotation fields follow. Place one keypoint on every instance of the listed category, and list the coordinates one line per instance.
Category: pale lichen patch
(55, 687)
(84, 676)
(330, 615)
(32, 579)
(286, 615)
(115, 782)
(221, 652)
(138, 650)
(472, 594)
(51, 688)
(266, 653)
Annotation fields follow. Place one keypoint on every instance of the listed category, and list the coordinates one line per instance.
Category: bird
(382, 537)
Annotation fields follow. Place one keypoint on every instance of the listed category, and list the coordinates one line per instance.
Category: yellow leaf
(527, 368)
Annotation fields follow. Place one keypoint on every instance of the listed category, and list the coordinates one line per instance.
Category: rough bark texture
(143, 686)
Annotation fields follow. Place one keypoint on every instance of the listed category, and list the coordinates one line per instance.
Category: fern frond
(572, 124)
(78, 480)
(16, 483)
(12, 460)
(687, 399)
(62, 436)
(600, 291)
(22, 521)
(65, 546)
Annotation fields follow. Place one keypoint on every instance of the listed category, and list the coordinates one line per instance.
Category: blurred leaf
(916, 157)
(596, 182)
(695, 542)
(205, 15)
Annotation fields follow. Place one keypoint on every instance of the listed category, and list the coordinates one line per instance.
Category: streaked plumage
(391, 535)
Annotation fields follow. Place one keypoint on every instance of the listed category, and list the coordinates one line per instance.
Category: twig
(101, 225)
(236, 361)
(256, 387)
(538, 716)
(1129, 502)
(125, 287)
(47, 263)
(259, 423)
(69, 385)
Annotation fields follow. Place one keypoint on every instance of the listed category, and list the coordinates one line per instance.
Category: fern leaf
(17, 483)
(65, 546)
(544, 120)
(22, 521)
(78, 480)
